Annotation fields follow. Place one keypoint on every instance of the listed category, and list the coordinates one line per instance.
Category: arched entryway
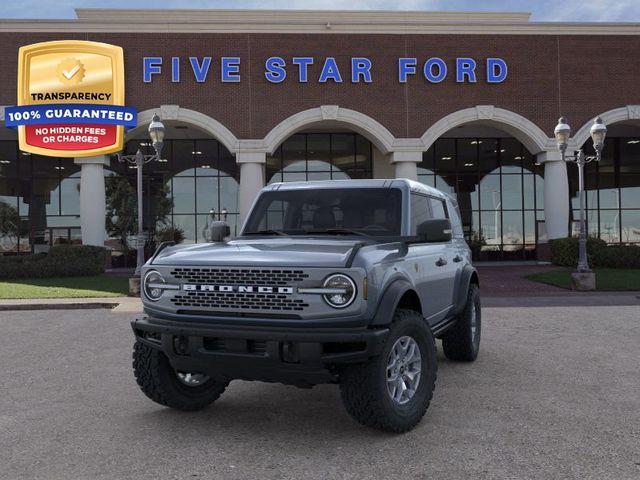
(486, 157)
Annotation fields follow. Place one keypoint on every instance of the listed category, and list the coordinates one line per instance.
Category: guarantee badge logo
(71, 99)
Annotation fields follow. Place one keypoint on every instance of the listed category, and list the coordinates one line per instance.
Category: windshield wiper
(338, 231)
(267, 232)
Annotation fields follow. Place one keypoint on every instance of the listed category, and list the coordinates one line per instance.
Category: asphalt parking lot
(555, 393)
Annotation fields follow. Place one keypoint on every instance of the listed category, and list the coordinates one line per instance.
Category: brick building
(466, 102)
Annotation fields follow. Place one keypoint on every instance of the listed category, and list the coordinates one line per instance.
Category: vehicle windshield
(369, 212)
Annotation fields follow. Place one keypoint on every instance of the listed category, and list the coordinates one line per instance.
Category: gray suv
(347, 282)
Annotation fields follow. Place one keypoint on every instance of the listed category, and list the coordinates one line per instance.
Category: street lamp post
(156, 133)
(562, 133)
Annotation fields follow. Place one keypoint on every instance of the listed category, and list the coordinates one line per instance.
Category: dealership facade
(465, 102)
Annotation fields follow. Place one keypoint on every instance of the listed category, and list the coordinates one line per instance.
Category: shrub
(564, 252)
(618, 256)
(61, 261)
(169, 234)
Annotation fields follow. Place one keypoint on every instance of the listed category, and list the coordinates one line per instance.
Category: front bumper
(297, 356)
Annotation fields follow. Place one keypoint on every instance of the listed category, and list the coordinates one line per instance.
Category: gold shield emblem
(76, 73)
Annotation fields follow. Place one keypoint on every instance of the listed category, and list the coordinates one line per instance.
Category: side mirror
(218, 231)
(434, 230)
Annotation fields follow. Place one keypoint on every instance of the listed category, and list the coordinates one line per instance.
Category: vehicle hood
(286, 252)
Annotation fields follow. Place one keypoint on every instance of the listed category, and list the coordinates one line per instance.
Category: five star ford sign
(70, 99)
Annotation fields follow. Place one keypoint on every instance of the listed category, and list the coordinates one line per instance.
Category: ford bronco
(347, 282)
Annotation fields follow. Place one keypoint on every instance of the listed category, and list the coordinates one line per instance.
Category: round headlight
(151, 281)
(344, 290)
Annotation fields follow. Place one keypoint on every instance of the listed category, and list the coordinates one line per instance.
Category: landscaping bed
(607, 279)
(67, 287)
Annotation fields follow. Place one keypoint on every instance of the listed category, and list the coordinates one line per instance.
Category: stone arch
(373, 130)
(527, 132)
(180, 114)
(622, 114)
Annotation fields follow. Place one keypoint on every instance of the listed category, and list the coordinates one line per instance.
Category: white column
(93, 209)
(406, 164)
(251, 179)
(556, 194)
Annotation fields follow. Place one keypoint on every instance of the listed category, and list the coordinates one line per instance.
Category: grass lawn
(606, 278)
(69, 287)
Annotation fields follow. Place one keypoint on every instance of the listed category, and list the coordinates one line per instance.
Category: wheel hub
(404, 365)
(192, 379)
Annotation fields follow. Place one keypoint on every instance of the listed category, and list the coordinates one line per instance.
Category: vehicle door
(448, 262)
(430, 279)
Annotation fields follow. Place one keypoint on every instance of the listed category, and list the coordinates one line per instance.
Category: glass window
(512, 228)
(490, 198)
(512, 192)
(511, 155)
(183, 190)
(630, 221)
(438, 208)
(488, 155)
(629, 155)
(445, 156)
(294, 154)
(630, 190)
(420, 211)
(320, 156)
(467, 192)
(183, 157)
(467, 157)
(374, 211)
(207, 195)
(319, 152)
(610, 226)
(188, 225)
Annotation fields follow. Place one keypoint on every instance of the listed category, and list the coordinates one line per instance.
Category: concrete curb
(114, 303)
(8, 307)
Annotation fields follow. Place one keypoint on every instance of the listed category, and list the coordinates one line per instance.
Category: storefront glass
(320, 156)
(612, 192)
(498, 188)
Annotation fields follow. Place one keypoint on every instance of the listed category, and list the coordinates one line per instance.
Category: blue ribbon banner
(70, 113)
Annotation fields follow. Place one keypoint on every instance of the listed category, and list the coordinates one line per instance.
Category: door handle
(441, 262)
(457, 258)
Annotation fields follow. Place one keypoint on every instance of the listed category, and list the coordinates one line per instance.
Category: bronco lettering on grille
(189, 287)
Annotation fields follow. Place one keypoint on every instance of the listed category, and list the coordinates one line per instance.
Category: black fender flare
(389, 301)
(468, 275)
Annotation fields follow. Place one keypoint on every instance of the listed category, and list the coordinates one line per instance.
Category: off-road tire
(159, 381)
(460, 343)
(364, 386)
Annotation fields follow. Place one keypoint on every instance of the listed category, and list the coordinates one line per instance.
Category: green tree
(9, 222)
(122, 208)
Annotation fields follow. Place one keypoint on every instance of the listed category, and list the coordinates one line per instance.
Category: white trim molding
(531, 136)
(373, 130)
(185, 115)
(622, 114)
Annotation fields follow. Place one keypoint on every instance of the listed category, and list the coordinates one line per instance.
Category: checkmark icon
(71, 73)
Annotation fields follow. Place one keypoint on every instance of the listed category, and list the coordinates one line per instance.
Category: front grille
(238, 276)
(244, 301)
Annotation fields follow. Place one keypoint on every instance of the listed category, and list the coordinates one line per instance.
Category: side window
(420, 211)
(439, 210)
(454, 216)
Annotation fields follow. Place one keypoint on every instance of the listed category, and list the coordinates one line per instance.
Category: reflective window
(612, 191)
(320, 156)
(499, 191)
(420, 211)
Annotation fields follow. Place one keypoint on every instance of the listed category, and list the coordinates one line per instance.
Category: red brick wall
(578, 76)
